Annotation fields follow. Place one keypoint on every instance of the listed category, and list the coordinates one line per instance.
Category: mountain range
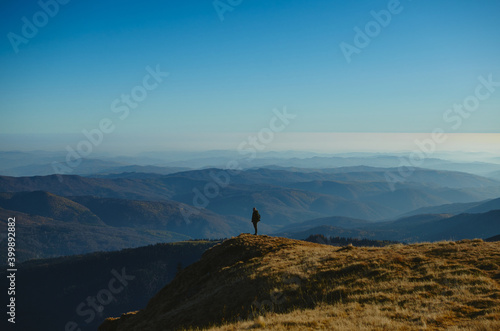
(48, 225)
(480, 221)
(120, 213)
(57, 214)
(40, 163)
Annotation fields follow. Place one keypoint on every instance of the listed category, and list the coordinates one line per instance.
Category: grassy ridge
(280, 284)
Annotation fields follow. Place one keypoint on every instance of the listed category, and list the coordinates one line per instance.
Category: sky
(152, 75)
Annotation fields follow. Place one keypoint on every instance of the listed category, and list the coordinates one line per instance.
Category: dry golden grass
(271, 283)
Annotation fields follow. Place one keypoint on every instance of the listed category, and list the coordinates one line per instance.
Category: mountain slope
(366, 196)
(123, 188)
(330, 231)
(87, 166)
(462, 226)
(48, 205)
(494, 238)
(440, 227)
(450, 208)
(407, 199)
(485, 207)
(494, 175)
(112, 172)
(42, 237)
(343, 222)
(67, 282)
(451, 179)
(347, 190)
(141, 222)
(301, 285)
(281, 205)
(162, 215)
(417, 228)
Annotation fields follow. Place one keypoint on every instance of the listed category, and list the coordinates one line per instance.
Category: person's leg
(255, 226)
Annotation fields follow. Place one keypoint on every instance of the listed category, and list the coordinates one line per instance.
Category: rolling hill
(462, 226)
(451, 208)
(343, 222)
(484, 207)
(42, 237)
(76, 186)
(458, 208)
(417, 228)
(494, 238)
(161, 215)
(48, 205)
(280, 206)
(278, 177)
(346, 190)
(49, 225)
(260, 282)
(329, 231)
(494, 175)
(408, 199)
(145, 207)
(40, 163)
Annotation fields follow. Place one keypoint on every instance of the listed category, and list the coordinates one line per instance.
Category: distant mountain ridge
(494, 175)
(418, 228)
(152, 208)
(42, 237)
(39, 163)
(484, 207)
(458, 208)
(160, 215)
(494, 238)
(49, 225)
(343, 222)
(48, 205)
(451, 179)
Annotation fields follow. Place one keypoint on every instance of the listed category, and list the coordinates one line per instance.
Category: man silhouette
(255, 219)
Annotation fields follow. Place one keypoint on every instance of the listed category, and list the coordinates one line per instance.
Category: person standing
(255, 219)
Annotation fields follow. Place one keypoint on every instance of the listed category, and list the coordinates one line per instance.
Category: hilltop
(275, 283)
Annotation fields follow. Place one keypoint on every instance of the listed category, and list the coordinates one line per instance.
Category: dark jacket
(255, 216)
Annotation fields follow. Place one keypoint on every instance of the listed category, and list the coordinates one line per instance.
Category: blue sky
(226, 76)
